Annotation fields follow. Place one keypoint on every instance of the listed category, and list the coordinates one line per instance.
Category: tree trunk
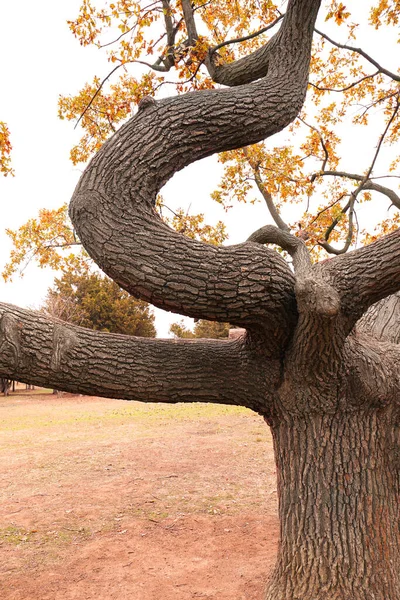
(338, 487)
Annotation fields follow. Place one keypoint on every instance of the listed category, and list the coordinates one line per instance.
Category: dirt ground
(117, 500)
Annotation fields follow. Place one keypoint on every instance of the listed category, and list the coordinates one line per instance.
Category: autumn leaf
(5, 150)
(149, 48)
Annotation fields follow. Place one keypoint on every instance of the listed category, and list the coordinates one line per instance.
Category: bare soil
(118, 500)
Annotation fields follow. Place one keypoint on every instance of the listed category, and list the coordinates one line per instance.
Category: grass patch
(62, 413)
(14, 535)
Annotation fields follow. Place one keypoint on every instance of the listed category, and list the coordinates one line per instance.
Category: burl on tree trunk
(320, 358)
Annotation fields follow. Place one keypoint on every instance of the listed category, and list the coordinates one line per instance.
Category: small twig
(363, 54)
(327, 208)
(246, 37)
(336, 221)
(145, 8)
(96, 94)
(378, 101)
(327, 89)
(357, 227)
(382, 138)
(364, 184)
(322, 142)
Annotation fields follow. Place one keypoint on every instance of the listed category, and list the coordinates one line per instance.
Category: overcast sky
(41, 60)
(44, 60)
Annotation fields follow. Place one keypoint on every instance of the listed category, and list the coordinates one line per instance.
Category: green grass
(62, 413)
(14, 535)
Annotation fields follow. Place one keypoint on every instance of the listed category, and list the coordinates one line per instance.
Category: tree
(96, 302)
(320, 359)
(202, 329)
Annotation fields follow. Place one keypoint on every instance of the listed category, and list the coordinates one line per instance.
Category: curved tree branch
(112, 208)
(233, 73)
(349, 238)
(372, 362)
(298, 18)
(382, 320)
(365, 276)
(269, 234)
(47, 352)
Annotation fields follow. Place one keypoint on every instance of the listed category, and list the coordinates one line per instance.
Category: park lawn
(111, 499)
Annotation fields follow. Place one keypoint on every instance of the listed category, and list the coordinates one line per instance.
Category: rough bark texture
(56, 354)
(319, 360)
(338, 491)
(337, 442)
(112, 207)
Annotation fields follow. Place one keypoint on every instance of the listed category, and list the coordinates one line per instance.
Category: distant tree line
(94, 301)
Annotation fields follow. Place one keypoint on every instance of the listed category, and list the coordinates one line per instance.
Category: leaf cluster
(306, 171)
(48, 239)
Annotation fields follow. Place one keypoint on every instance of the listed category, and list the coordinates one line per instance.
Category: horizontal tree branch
(43, 351)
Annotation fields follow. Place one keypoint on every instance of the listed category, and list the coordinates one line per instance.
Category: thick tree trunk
(338, 486)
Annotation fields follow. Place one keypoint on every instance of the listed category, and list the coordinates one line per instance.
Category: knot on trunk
(317, 297)
(10, 352)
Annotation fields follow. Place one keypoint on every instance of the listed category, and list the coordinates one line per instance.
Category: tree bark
(382, 320)
(47, 352)
(338, 489)
(294, 36)
(112, 207)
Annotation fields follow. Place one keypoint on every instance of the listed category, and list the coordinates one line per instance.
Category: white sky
(41, 60)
